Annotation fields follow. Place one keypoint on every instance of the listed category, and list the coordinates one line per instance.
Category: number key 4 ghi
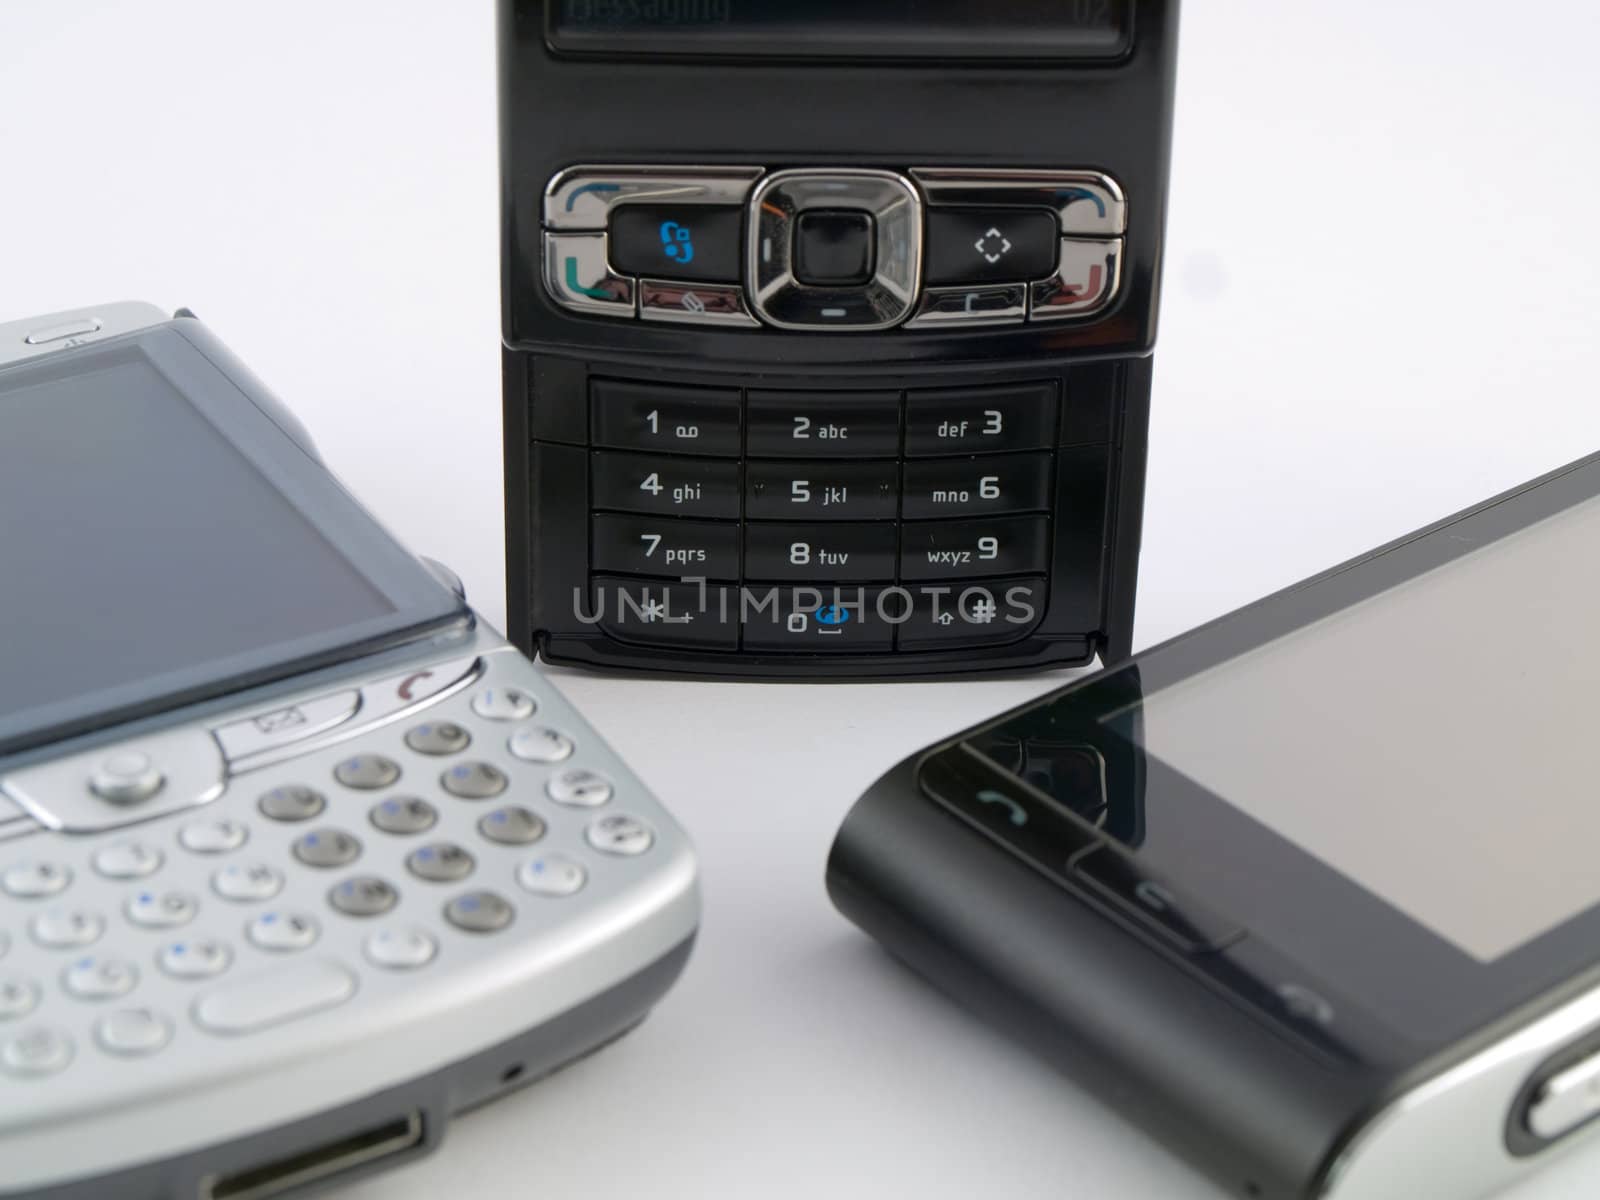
(771, 415)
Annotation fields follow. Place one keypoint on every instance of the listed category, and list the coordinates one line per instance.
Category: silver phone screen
(138, 543)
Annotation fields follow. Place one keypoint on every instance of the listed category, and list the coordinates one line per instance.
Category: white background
(1380, 307)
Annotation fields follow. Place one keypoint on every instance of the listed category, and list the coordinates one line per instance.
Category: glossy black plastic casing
(1165, 1050)
(559, 111)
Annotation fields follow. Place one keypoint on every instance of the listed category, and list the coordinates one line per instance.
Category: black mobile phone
(1310, 891)
(828, 330)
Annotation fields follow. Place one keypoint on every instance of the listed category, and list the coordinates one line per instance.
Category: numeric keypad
(217, 893)
(835, 489)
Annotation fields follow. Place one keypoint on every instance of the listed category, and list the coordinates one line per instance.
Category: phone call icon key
(1012, 811)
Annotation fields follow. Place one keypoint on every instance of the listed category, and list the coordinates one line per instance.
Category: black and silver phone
(1309, 892)
(828, 330)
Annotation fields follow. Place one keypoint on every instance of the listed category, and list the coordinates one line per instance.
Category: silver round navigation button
(872, 287)
(126, 777)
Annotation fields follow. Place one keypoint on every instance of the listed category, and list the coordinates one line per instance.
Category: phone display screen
(154, 548)
(1397, 742)
(1031, 29)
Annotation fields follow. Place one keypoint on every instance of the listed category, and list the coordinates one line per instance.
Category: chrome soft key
(297, 857)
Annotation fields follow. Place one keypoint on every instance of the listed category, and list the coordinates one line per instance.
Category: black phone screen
(846, 28)
(1460, 786)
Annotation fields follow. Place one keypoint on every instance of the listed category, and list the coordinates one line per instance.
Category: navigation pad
(833, 248)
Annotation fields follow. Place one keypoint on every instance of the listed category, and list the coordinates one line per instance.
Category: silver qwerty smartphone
(298, 859)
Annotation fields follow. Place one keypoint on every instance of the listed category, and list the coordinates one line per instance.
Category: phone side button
(1184, 922)
(54, 333)
(272, 997)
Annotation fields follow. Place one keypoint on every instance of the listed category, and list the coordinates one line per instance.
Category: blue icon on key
(677, 242)
(832, 614)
